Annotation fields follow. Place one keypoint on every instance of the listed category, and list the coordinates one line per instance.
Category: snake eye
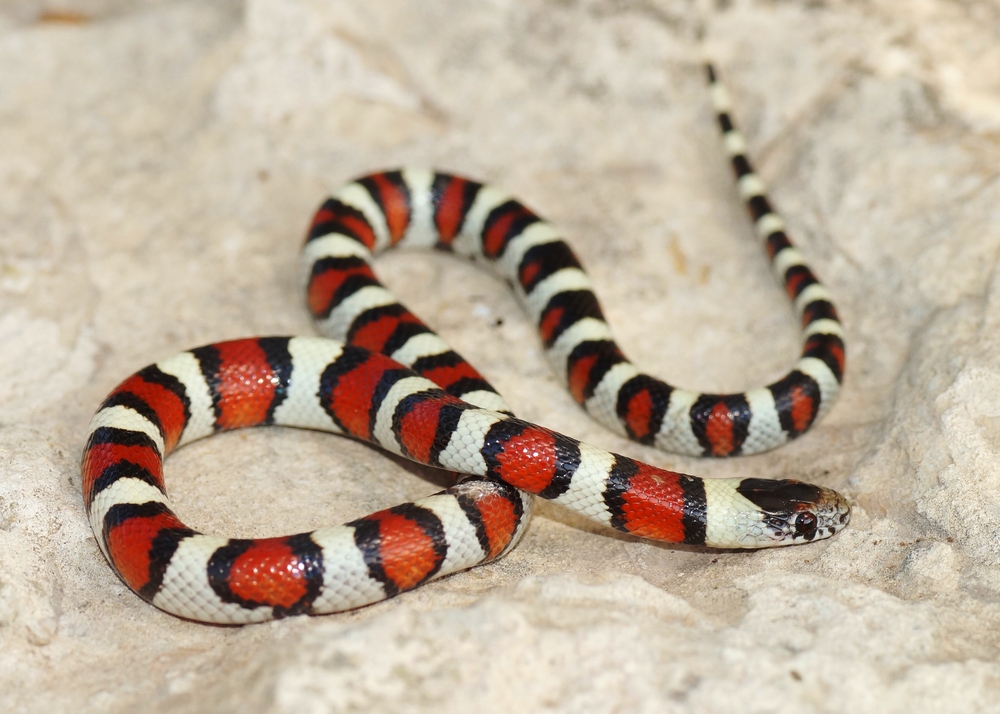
(805, 525)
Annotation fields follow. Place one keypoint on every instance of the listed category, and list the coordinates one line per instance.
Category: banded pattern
(424, 209)
(314, 383)
(302, 382)
(398, 385)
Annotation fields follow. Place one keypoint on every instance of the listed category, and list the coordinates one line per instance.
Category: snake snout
(833, 513)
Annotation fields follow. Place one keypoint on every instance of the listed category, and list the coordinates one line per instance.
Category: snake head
(760, 513)
(793, 511)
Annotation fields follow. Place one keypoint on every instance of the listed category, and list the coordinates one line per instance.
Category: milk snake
(395, 383)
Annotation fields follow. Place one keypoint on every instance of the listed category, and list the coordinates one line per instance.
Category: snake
(380, 375)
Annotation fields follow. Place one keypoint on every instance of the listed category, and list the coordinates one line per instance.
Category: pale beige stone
(159, 162)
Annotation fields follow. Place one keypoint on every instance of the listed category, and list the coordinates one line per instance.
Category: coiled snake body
(394, 383)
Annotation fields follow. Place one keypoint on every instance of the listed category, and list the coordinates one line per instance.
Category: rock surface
(161, 160)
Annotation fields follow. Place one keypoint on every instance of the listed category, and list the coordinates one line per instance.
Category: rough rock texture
(160, 161)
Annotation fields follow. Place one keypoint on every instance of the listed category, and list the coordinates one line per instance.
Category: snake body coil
(394, 383)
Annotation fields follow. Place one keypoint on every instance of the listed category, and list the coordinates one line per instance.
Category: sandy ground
(160, 160)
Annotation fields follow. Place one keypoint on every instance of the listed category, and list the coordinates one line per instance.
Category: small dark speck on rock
(63, 17)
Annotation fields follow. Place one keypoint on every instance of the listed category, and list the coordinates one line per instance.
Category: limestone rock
(161, 161)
